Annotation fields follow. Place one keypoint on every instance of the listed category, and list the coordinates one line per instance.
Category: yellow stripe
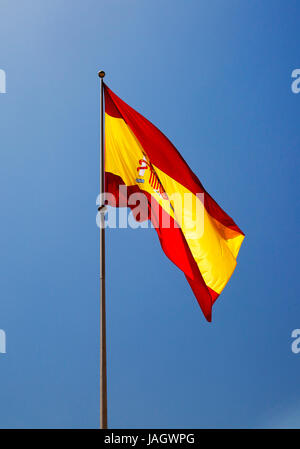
(215, 256)
(213, 246)
(122, 156)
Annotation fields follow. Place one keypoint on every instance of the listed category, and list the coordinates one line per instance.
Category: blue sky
(215, 76)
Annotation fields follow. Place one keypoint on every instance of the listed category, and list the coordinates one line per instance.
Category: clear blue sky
(215, 76)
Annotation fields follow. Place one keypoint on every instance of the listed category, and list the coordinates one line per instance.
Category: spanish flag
(194, 232)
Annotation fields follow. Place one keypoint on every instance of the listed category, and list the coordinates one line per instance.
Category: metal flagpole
(101, 209)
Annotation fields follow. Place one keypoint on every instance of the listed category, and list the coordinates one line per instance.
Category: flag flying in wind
(194, 232)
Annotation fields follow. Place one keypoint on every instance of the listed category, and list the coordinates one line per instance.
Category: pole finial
(101, 74)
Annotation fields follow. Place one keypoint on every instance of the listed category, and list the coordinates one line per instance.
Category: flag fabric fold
(194, 232)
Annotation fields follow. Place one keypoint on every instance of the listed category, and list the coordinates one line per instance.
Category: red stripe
(163, 154)
(171, 239)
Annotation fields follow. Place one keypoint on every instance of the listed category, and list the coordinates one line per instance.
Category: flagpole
(103, 373)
